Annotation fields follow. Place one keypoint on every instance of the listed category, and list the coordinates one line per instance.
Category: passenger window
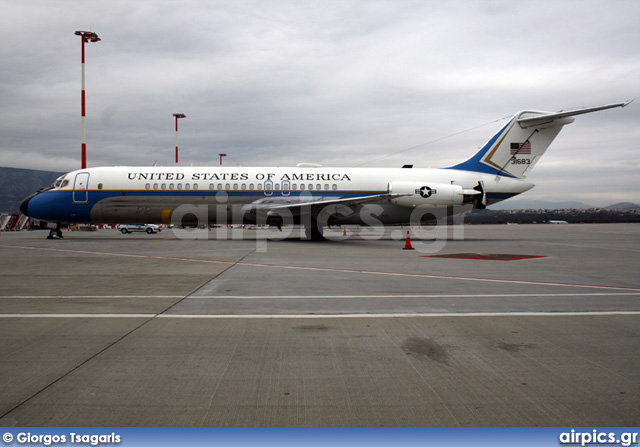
(244, 186)
(187, 186)
(211, 186)
(99, 185)
(219, 186)
(147, 186)
(171, 186)
(155, 186)
(163, 186)
(195, 186)
(227, 186)
(335, 187)
(179, 185)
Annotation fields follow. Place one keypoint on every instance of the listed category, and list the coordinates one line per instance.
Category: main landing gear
(313, 231)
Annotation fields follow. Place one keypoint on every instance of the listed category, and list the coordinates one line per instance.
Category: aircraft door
(286, 188)
(268, 187)
(81, 188)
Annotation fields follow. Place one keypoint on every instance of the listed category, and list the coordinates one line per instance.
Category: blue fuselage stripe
(59, 205)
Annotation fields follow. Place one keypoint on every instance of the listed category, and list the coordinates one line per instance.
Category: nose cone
(24, 206)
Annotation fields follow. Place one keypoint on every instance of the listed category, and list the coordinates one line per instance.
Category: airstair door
(81, 188)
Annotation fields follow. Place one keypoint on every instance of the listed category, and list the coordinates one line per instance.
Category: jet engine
(431, 195)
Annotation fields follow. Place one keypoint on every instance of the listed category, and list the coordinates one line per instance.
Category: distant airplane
(308, 195)
(546, 220)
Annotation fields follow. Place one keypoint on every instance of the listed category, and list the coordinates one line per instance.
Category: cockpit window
(60, 182)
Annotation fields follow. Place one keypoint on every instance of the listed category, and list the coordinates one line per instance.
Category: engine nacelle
(426, 194)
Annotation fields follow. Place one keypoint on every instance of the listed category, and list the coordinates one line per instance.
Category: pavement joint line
(482, 295)
(88, 296)
(425, 275)
(145, 317)
(332, 269)
(126, 255)
(75, 368)
(150, 317)
(295, 297)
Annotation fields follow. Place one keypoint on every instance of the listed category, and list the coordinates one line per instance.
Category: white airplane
(308, 195)
(557, 222)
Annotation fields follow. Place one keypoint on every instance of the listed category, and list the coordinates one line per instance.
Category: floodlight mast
(178, 116)
(222, 155)
(86, 36)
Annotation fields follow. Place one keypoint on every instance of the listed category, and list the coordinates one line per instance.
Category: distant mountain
(623, 206)
(526, 204)
(17, 184)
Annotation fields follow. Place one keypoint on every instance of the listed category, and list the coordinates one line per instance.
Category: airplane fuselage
(239, 194)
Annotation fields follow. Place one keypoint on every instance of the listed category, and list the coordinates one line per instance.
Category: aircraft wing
(342, 201)
(315, 206)
(563, 114)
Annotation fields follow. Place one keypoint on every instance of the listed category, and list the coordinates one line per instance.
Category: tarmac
(233, 327)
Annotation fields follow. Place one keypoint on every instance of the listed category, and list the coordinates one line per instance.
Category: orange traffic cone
(407, 242)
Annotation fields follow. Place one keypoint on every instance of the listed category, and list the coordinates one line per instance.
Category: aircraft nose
(24, 205)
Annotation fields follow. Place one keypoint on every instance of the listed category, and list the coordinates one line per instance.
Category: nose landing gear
(55, 233)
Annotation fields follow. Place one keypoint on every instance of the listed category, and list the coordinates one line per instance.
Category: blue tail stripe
(475, 164)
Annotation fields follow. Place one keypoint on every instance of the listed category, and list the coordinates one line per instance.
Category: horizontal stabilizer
(518, 146)
(568, 113)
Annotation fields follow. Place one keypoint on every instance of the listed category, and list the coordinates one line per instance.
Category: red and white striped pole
(85, 36)
(178, 115)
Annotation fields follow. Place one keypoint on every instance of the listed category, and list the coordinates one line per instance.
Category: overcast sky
(340, 83)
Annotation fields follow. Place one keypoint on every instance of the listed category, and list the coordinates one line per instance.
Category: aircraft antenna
(433, 141)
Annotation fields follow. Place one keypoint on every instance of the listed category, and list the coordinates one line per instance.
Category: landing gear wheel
(55, 233)
(150, 231)
(124, 231)
(313, 232)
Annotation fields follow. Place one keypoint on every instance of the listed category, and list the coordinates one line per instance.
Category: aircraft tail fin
(515, 149)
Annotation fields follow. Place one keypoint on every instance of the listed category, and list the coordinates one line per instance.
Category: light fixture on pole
(222, 155)
(86, 36)
(178, 115)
